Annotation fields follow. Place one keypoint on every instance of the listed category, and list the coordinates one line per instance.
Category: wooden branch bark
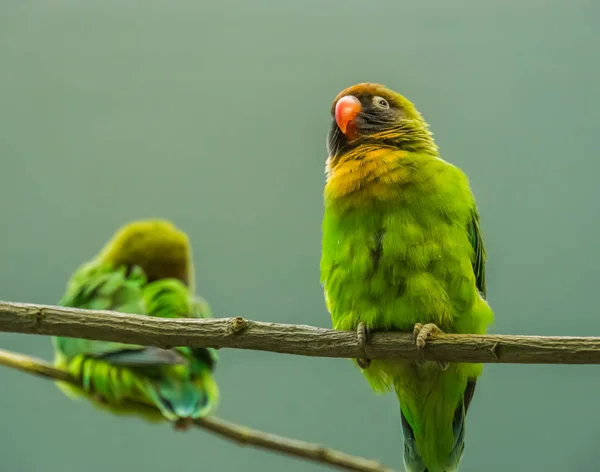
(291, 339)
(225, 429)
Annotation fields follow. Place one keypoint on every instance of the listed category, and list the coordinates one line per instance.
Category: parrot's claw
(421, 333)
(183, 424)
(361, 334)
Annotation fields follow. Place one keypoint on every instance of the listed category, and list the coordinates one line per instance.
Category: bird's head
(373, 114)
(159, 248)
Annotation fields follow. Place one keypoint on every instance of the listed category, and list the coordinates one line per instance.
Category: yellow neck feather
(365, 173)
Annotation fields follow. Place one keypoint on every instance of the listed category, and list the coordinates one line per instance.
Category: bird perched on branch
(146, 268)
(402, 250)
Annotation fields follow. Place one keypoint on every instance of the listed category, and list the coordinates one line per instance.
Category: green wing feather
(479, 257)
(100, 287)
(175, 383)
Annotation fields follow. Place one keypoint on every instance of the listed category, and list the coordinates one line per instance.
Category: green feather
(133, 379)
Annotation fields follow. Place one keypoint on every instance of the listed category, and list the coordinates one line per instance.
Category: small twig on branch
(231, 431)
(291, 339)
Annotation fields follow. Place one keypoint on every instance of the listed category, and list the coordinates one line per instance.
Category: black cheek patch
(336, 141)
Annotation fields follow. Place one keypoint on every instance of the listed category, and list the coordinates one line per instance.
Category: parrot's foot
(361, 334)
(421, 334)
(183, 424)
(100, 399)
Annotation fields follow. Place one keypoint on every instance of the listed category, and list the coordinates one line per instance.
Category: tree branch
(234, 432)
(293, 447)
(291, 339)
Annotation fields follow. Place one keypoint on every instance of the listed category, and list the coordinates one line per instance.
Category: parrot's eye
(381, 103)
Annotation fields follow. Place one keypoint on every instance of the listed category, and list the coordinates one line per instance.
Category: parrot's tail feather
(187, 397)
(181, 400)
(412, 459)
(420, 434)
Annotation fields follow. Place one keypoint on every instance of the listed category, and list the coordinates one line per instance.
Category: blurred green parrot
(402, 250)
(146, 268)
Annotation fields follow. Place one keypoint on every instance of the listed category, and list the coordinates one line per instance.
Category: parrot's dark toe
(100, 399)
(183, 424)
(361, 334)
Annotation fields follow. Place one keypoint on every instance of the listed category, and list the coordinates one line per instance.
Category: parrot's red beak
(346, 110)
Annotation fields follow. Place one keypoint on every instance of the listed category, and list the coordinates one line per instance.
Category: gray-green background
(214, 115)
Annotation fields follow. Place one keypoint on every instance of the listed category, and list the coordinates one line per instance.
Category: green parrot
(146, 268)
(402, 250)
